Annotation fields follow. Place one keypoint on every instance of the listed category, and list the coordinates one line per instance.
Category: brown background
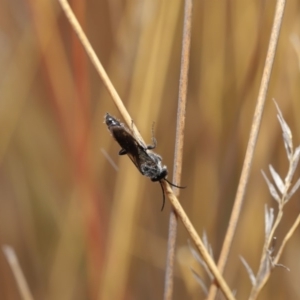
(84, 230)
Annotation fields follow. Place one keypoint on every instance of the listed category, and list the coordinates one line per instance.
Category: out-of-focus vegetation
(82, 229)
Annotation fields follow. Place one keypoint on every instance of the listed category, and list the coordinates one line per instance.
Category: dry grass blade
(296, 44)
(17, 271)
(293, 165)
(286, 132)
(277, 179)
(249, 271)
(271, 187)
(269, 220)
(200, 282)
(293, 190)
(109, 159)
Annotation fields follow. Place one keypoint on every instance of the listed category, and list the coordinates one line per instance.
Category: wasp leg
(154, 142)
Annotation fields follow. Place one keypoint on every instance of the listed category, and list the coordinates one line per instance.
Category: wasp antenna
(172, 184)
(163, 191)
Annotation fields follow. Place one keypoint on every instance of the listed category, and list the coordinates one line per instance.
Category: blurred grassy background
(80, 228)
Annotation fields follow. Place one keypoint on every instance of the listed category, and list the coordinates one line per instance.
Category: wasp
(146, 161)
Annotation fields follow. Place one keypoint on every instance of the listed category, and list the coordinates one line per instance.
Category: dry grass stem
(98, 66)
(198, 242)
(286, 238)
(275, 260)
(17, 271)
(296, 44)
(282, 191)
(182, 99)
(252, 141)
(180, 212)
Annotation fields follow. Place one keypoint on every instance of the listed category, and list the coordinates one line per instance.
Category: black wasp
(147, 162)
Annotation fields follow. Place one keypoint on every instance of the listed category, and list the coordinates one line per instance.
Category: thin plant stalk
(258, 288)
(98, 66)
(281, 190)
(240, 195)
(287, 237)
(17, 271)
(198, 242)
(171, 196)
(179, 141)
